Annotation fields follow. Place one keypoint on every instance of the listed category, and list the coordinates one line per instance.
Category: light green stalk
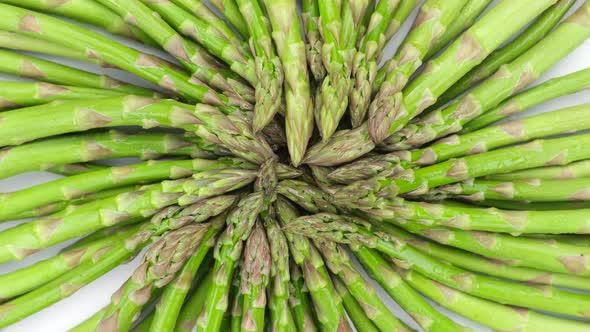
(286, 32)
(575, 170)
(43, 154)
(507, 80)
(269, 93)
(98, 46)
(230, 10)
(551, 89)
(310, 13)
(355, 312)
(227, 252)
(430, 24)
(187, 318)
(31, 67)
(529, 37)
(300, 302)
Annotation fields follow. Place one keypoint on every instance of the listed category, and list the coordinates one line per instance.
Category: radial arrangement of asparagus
(228, 143)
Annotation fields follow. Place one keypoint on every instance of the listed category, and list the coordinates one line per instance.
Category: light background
(69, 312)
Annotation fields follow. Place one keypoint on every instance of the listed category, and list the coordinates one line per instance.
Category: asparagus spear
(327, 303)
(534, 253)
(494, 315)
(47, 71)
(507, 80)
(42, 154)
(148, 67)
(533, 190)
(365, 60)
(159, 267)
(344, 146)
(356, 232)
(26, 279)
(355, 312)
(337, 58)
(232, 13)
(286, 32)
(299, 301)
(205, 121)
(432, 21)
(529, 37)
(537, 153)
(540, 206)
(268, 65)
(476, 263)
(88, 12)
(565, 121)
(339, 263)
(309, 197)
(170, 305)
(72, 187)
(368, 167)
(255, 279)
(220, 45)
(551, 89)
(22, 94)
(16, 243)
(200, 10)
(421, 311)
(188, 315)
(191, 55)
(467, 16)
(310, 13)
(237, 301)
(575, 170)
(227, 251)
(282, 320)
(401, 14)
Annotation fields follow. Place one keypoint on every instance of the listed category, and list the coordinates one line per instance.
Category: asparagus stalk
(494, 315)
(337, 57)
(529, 37)
(377, 313)
(15, 243)
(205, 121)
(159, 267)
(421, 311)
(368, 167)
(268, 65)
(200, 10)
(282, 319)
(43, 154)
(171, 303)
(309, 197)
(227, 251)
(220, 45)
(310, 13)
(327, 303)
(191, 55)
(551, 89)
(76, 186)
(344, 146)
(365, 60)
(357, 233)
(508, 80)
(188, 315)
(401, 14)
(26, 279)
(467, 16)
(88, 12)
(534, 253)
(232, 13)
(237, 301)
(476, 263)
(255, 279)
(355, 312)
(533, 190)
(148, 67)
(23, 94)
(75, 168)
(299, 301)
(565, 121)
(47, 71)
(430, 24)
(286, 32)
(575, 170)
(540, 206)
(537, 153)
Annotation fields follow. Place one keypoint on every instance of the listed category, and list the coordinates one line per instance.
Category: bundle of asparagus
(252, 219)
